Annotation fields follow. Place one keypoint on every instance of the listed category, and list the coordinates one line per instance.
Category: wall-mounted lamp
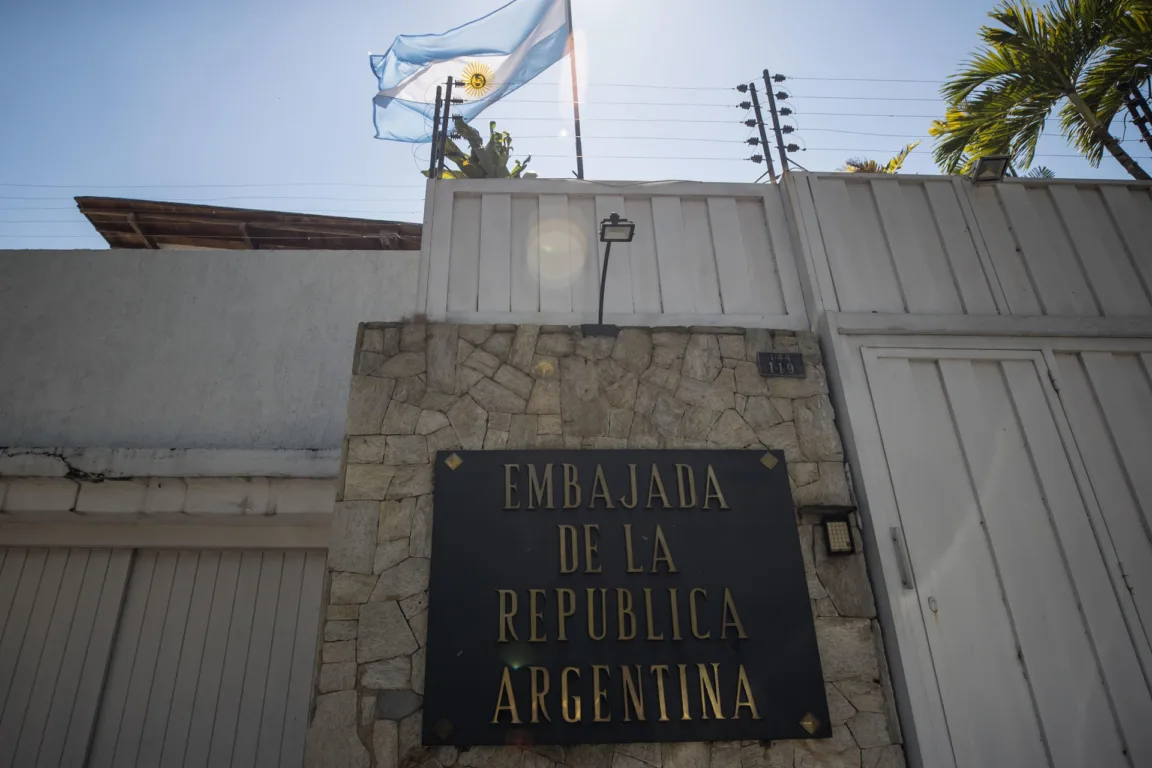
(991, 168)
(612, 230)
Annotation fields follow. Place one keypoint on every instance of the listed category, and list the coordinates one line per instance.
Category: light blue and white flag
(492, 56)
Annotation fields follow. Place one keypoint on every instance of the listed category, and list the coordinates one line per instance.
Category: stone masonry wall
(419, 389)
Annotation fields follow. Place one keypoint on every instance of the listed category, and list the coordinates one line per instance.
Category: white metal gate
(183, 658)
(1025, 640)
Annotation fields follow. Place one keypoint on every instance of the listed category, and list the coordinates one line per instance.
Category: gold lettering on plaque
(692, 614)
(660, 670)
(710, 691)
(507, 611)
(684, 714)
(633, 693)
(660, 552)
(590, 547)
(625, 614)
(747, 700)
(569, 705)
(571, 487)
(632, 567)
(569, 552)
(600, 490)
(540, 686)
(564, 613)
(537, 616)
(712, 490)
(600, 693)
(506, 690)
(649, 618)
(592, 613)
(731, 618)
(674, 604)
(656, 487)
(685, 478)
(632, 486)
(539, 486)
(510, 486)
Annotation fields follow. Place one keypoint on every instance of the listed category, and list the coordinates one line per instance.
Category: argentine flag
(492, 56)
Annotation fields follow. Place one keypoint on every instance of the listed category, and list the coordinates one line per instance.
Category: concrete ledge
(254, 535)
(103, 463)
(170, 498)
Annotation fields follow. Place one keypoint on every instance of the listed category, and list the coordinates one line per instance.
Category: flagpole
(575, 90)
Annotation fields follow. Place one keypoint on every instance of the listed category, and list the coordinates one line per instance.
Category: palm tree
(864, 165)
(1035, 62)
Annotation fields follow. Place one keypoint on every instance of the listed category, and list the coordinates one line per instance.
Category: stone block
(813, 383)
(341, 613)
(780, 754)
(495, 439)
(594, 756)
(548, 425)
(418, 661)
(332, 738)
(411, 480)
(337, 677)
(469, 421)
(705, 395)
(870, 729)
(648, 752)
(633, 349)
(781, 437)
(395, 520)
(595, 347)
(845, 579)
(400, 419)
(816, 590)
(864, 695)
(545, 397)
(622, 393)
(437, 401)
(804, 472)
(816, 428)
(725, 754)
(584, 410)
(661, 378)
(667, 357)
(401, 581)
(368, 399)
(701, 358)
(430, 421)
(367, 481)
(342, 650)
(522, 433)
(555, 344)
(760, 413)
(832, 488)
(523, 346)
(667, 415)
(484, 362)
(383, 633)
(352, 543)
(390, 555)
(442, 441)
(475, 334)
(840, 710)
(550, 442)
(419, 626)
(748, 379)
(386, 743)
(389, 675)
(499, 344)
(676, 340)
(395, 705)
(500, 421)
(351, 588)
(412, 606)
(891, 756)
(725, 380)
(420, 544)
(413, 337)
(466, 378)
(339, 630)
(824, 607)
(112, 497)
(367, 449)
(645, 399)
(619, 422)
(732, 345)
(698, 422)
(497, 398)
(846, 648)
(514, 380)
(406, 449)
(401, 364)
(686, 754)
(731, 431)
(373, 340)
(410, 389)
(544, 367)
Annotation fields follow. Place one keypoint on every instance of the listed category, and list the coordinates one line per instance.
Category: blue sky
(131, 95)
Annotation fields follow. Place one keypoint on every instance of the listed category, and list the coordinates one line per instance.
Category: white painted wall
(224, 349)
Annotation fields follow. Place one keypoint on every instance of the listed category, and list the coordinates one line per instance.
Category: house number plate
(775, 364)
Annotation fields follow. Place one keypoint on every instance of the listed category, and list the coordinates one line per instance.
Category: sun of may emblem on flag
(477, 79)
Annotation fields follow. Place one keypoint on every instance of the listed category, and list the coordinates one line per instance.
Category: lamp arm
(603, 279)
